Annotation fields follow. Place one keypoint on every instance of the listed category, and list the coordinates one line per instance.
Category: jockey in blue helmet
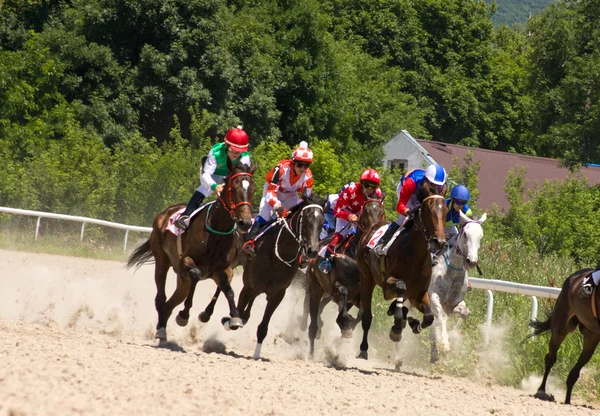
(459, 196)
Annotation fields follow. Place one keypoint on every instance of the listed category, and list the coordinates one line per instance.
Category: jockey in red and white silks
(284, 185)
(348, 207)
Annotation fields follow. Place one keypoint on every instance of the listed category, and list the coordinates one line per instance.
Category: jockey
(234, 147)
(329, 224)
(457, 202)
(407, 198)
(348, 207)
(283, 185)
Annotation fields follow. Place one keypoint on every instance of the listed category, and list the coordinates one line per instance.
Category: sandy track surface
(76, 337)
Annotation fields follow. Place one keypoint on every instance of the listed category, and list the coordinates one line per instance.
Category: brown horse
(342, 283)
(570, 311)
(208, 248)
(407, 270)
(277, 259)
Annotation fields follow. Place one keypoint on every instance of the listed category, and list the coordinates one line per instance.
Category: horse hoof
(161, 334)
(347, 333)
(364, 355)
(225, 322)
(195, 273)
(395, 337)
(181, 321)
(542, 395)
(236, 323)
(204, 317)
(445, 347)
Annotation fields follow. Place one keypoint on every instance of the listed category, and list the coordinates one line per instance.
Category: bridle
(419, 225)
(299, 239)
(233, 206)
(360, 215)
(457, 245)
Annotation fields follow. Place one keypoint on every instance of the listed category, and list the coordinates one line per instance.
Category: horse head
(238, 192)
(469, 239)
(307, 219)
(371, 213)
(430, 218)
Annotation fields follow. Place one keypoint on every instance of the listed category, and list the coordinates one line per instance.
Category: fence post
(488, 317)
(125, 245)
(37, 228)
(82, 229)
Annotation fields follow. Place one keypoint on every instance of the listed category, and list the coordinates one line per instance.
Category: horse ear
(483, 218)
(463, 217)
(253, 168)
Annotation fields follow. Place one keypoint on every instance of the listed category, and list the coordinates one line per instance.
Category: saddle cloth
(173, 228)
(379, 233)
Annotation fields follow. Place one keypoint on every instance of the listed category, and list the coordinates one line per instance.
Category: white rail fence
(83, 220)
(488, 285)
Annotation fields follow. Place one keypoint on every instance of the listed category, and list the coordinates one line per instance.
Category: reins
(421, 228)
(232, 206)
(298, 238)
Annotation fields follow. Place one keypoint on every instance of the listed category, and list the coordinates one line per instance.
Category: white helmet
(436, 174)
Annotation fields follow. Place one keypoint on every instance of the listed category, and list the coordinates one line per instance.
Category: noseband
(298, 237)
(421, 228)
(233, 206)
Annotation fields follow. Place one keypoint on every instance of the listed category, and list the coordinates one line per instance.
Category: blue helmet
(460, 192)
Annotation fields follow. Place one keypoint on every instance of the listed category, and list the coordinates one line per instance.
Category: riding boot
(248, 246)
(378, 249)
(183, 221)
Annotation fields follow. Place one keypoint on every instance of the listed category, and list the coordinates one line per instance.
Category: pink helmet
(237, 139)
(303, 153)
(370, 175)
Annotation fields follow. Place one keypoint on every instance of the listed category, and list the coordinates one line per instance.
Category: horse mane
(308, 200)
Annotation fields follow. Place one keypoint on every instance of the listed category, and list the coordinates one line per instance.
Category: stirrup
(182, 222)
(586, 290)
(379, 249)
(248, 248)
(325, 266)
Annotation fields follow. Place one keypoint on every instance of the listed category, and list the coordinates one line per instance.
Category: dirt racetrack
(76, 337)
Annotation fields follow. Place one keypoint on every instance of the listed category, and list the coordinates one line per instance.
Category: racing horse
(571, 311)
(450, 282)
(207, 249)
(405, 271)
(342, 283)
(280, 249)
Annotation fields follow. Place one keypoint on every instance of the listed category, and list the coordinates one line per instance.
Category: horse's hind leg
(343, 319)
(245, 302)
(183, 316)
(160, 278)
(425, 308)
(590, 341)
(273, 301)
(560, 329)
(315, 294)
(207, 313)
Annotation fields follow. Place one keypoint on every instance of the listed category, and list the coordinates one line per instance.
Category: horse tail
(141, 255)
(539, 327)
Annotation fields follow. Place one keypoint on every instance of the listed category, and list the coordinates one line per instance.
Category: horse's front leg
(343, 319)
(440, 314)
(367, 284)
(207, 313)
(224, 282)
(396, 309)
(425, 308)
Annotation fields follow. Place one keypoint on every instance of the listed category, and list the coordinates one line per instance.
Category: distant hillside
(517, 11)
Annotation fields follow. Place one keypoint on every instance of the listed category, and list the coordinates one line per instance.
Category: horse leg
(343, 319)
(367, 285)
(315, 294)
(434, 355)
(440, 314)
(181, 291)
(183, 316)
(397, 310)
(273, 301)
(160, 278)
(590, 341)
(303, 319)
(234, 321)
(245, 302)
(560, 329)
(207, 313)
(425, 308)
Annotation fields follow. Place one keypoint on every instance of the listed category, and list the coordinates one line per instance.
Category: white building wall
(404, 150)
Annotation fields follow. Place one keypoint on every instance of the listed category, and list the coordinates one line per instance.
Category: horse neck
(221, 212)
(455, 259)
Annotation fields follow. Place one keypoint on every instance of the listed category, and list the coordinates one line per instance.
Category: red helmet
(237, 139)
(370, 175)
(303, 153)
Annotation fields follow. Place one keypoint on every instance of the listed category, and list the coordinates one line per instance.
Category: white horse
(449, 280)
